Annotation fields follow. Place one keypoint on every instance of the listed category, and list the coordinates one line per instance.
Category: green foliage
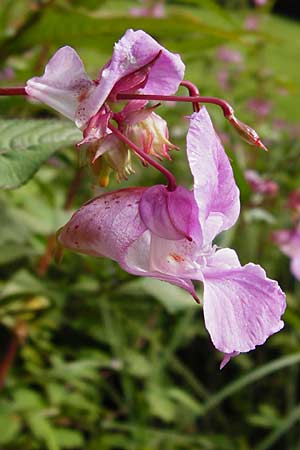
(105, 360)
(27, 144)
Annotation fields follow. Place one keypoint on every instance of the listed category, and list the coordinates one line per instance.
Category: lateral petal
(63, 83)
(215, 190)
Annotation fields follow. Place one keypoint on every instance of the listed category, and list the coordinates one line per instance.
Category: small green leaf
(26, 144)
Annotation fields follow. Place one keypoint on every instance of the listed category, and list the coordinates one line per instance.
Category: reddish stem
(13, 91)
(17, 338)
(193, 91)
(227, 109)
(170, 177)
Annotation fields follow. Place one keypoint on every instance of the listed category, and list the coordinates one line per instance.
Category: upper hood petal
(106, 225)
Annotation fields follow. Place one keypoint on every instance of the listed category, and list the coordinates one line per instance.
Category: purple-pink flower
(168, 235)
(289, 243)
(138, 64)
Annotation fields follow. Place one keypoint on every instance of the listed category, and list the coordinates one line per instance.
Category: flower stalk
(170, 177)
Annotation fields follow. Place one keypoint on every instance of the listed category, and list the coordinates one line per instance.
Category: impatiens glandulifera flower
(168, 234)
(289, 243)
(138, 64)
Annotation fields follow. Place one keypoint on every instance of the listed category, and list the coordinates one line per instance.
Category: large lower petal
(63, 83)
(242, 307)
(215, 190)
(133, 51)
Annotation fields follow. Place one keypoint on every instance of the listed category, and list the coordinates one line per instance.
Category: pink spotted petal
(170, 215)
(133, 51)
(63, 83)
(106, 225)
(242, 308)
(215, 190)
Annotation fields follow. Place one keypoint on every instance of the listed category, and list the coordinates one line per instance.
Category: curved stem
(170, 177)
(227, 109)
(193, 91)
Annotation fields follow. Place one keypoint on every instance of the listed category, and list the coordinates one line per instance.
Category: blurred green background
(91, 357)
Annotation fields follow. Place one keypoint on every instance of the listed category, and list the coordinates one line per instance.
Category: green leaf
(68, 438)
(26, 144)
(250, 378)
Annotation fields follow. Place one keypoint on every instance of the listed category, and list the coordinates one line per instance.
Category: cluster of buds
(164, 232)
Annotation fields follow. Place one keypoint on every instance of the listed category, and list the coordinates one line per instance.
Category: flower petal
(106, 225)
(242, 307)
(137, 261)
(133, 51)
(215, 190)
(295, 266)
(62, 84)
(170, 215)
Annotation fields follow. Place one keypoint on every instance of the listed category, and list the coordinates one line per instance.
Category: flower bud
(110, 154)
(247, 133)
(149, 131)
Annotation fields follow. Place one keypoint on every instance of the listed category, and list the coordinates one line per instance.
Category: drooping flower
(138, 64)
(289, 243)
(169, 235)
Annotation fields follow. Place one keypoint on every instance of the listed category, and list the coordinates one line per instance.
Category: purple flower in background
(260, 2)
(168, 235)
(289, 243)
(228, 55)
(260, 107)
(154, 8)
(252, 23)
(138, 64)
(260, 185)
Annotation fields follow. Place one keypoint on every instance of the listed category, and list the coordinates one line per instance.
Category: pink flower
(169, 235)
(289, 243)
(138, 64)
(260, 107)
(260, 2)
(294, 201)
(260, 185)
(228, 55)
(150, 9)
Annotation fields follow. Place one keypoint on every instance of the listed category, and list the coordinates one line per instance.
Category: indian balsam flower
(138, 65)
(168, 235)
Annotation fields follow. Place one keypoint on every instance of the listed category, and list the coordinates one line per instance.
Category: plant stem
(13, 91)
(193, 91)
(170, 177)
(227, 109)
(17, 338)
